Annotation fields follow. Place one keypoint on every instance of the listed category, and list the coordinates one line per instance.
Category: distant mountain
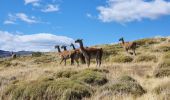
(19, 53)
(4, 53)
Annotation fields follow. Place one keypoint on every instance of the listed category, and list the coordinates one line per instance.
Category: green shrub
(61, 89)
(146, 58)
(163, 69)
(126, 78)
(36, 54)
(122, 59)
(90, 76)
(125, 85)
(65, 74)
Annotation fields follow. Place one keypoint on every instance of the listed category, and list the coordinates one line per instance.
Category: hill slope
(121, 76)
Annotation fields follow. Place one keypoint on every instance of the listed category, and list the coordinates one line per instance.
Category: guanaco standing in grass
(64, 54)
(128, 45)
(77, 54)
(90, 53)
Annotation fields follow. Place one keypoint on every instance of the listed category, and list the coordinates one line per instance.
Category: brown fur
(64, 54)
(90, 53)
(128, 45)
(76, 54)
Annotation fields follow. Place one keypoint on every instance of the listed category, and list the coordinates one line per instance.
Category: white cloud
(33, 42)
(12, 18)
(36, 4)
(25, 18)
(89, 15)
(51, 8)
(9, 22)
(123, 11)
(31, 1)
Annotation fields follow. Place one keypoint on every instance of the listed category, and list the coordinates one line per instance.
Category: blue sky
(95, 21)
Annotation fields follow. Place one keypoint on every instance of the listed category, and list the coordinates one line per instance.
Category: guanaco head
(71, 44)
(79, 41)
(64, 47)
(56, 46)
(121, 39)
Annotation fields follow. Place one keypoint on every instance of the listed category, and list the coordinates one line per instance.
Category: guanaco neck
(73, 47)
(65, 49)
(81, 45)
(58, 49)
(123, 42)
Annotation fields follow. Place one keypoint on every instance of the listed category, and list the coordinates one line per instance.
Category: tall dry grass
(140, 67)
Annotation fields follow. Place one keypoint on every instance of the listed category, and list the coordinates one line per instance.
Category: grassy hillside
(121, 77)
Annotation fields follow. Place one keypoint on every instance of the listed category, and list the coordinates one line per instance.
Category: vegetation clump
(37, 54)
(126, 78)
(163, 89)
(162, 47)
(146, 41)
(44, 59)
(60, 89)
(146, 58)
(166, 55)
(122, 59)
(125, 85)
(65, 74)
(5, 63)
(90, 76)
(163, 69)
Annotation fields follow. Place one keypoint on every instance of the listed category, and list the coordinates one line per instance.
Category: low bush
(125, 85)
(121, 59)
(166, 55)
(5, 63)
(90, 76)
(60, 89)
(44, 59)
(65, 74)
(146, 41)
(162, 47)
(163, 89)
(36, 54)
(126, 78)
(146, 58)
(163, 69)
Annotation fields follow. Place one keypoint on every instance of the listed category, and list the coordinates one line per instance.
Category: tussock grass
(120, 77)
(5, 63)
(91, 76)
(166, 55)
(163, 89)
(125, 85)
(146, 41)
(162, 47)
(121, 59)
(61, 89)
(44, 59)
(65, 74)
(37, 54)
(146, 58)
(163, 69)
